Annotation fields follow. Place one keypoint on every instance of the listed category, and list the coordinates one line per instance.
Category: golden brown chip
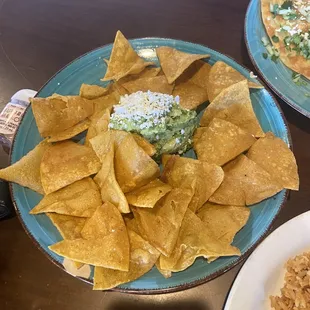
(123, 60)
(105, 178)
(222, 76)
(274, 156)
(142, 258)
(234, 105)
(79, 199)
(245, 183)
(195, 240)
(160, 225)
(57, 113)
(158, 84)
(148, 148)
(67, 162)
(106, 102)
(201, 177)
(173, 62)
(70, 132)
(26, 171)
(99, 123)
(165, 273)
(224, 221)
(69, 227)
(148, 195)
(100, 246)
(221, 142)
(191, 95)
(133, 167)
(92, 91)
(102, 143)
(147, 72)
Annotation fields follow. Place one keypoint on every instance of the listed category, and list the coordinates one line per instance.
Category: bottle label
(11, 116)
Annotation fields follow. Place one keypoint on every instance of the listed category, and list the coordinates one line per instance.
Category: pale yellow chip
(57, 113)
(142, 258)
(194, 240)
(106, 102)
(173, 62)
(274, 156)
(148, 195)
(79, 199)
(99, 123)
(133, 167)
(221, 76)
(109, 187)
(123, 60)
(26, 171)
(160, 225)
(69, 227)
(148, 148)
(224, 221)
(147, 72)
(70, 132)
(102, 143)
(191, 95)
(65, 163)
(92, 91)
(100, 245)
(157, 84)
(245, 183)
(165, 273)
(234, 105)
(201, 177)
(221, 142)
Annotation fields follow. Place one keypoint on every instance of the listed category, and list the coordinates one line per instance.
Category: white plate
(263, 273)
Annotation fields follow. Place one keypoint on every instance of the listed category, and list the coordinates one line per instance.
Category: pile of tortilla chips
(106, 195)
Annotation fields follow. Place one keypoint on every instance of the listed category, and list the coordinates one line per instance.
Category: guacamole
(157, 117)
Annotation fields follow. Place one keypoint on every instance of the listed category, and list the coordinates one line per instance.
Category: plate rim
(281, 227)
(262, 75)
(183, 286)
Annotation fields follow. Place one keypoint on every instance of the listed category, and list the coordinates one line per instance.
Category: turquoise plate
(276, 75)
(89, 68)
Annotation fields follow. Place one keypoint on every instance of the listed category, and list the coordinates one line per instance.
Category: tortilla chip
(201, 177)
(221, 142)
(99, 123)
(100, 246)
(133, 167)
(160, 226)
(234, 105)
(102, 143)
(70, 132)
(69, 227)
(165, 273)
(174, 62)
(123, 60)
(110, 189)
(274, 156)
(142, 258)
(224, 221)
(147, 147)
(106, 102)
(148, 195)
(92, 91)
(221, 76)
(194, 240)
(57, 113)
(65, 163)
(158, 84)
(26, 171)
(79, 199)
(245, 183)
(147, 72)
(191, 95)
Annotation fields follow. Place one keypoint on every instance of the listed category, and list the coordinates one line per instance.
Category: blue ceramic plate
(89, 69)
(276, 75)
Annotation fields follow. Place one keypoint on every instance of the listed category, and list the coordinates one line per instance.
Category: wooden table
(37, 38)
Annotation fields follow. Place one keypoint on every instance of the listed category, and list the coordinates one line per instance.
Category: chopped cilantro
(265, 55)
(274, 58)
(307, 95)
(290, 16)
(275, 39)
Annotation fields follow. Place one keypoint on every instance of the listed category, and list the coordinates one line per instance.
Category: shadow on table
(175, 305)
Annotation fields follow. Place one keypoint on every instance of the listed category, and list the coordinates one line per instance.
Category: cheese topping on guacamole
(157, 117)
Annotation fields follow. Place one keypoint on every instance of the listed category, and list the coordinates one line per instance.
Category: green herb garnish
(274, 58)
(275, 39)
(265, 55)
(286, 5)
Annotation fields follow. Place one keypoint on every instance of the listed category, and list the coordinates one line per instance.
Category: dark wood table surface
(37, 38)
